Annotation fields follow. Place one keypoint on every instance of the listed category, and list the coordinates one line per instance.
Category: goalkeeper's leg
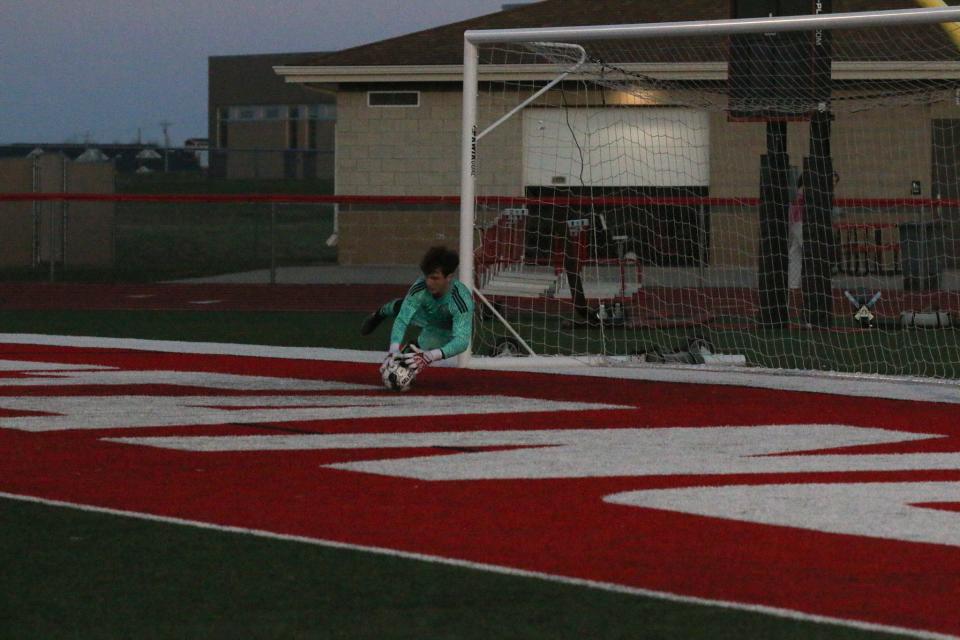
(372, 321)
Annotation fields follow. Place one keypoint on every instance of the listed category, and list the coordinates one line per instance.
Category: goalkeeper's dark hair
(441, 258)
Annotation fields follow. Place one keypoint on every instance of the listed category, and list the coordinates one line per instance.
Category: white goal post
(606, 277)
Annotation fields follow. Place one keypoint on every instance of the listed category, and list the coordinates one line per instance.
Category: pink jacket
(796, 208)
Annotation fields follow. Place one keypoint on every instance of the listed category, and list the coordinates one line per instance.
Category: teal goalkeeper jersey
(450, 314)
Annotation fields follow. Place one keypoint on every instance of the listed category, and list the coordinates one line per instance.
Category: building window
(223, 121)
(271, 113)
(311, 134)
(322, 112)
(293, 133)
(393, 98)
(245, 113)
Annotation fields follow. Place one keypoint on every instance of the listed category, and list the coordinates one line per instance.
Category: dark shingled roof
(444, 45)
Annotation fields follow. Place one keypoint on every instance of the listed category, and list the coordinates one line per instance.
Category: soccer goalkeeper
(439, 304)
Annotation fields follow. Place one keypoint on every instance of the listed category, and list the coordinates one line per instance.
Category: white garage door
(616, 147)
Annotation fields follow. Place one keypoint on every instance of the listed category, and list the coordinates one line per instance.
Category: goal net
(782, 190)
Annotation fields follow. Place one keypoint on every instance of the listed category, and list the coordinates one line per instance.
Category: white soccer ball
(397, 377)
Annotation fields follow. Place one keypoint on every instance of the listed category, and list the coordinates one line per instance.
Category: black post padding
(572, 267)
(778, 75)
(818, 247)
(774, 227)
(822, 58)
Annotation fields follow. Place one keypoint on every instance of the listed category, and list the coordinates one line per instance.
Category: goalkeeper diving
(439, 304)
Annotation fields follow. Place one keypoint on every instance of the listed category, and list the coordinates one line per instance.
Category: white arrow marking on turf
(25, 365)
(34, 374)
(118, 412)
(53, 377)
(881, 509)
(581, 453)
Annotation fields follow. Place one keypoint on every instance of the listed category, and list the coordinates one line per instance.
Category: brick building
(399, 103)
(261, 127)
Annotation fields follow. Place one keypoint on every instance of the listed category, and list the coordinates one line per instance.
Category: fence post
(37, 214)
(52, 241)
(273, 243)
(64, 208)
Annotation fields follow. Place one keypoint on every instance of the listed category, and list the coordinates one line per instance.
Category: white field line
(844, 385)
(203, 348)
(603, 586)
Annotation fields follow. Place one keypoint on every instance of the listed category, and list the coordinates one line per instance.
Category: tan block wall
(735, 150)
(16, 240)
(734, 237)
(886, 150)
(394, 237)
(877, 154)
(409, 151)
(416, 151)
(398, 150)
(87, 238)
(90, 225)
(500, 156)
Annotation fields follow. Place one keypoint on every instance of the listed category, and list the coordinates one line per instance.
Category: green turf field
(166, 241)
(153, 241)
(73, 574)
(196, 182)
(912, 352)
(917, 352)
(278, 328)
(82, 575)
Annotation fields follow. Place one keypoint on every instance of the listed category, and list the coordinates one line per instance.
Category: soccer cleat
(370, 323)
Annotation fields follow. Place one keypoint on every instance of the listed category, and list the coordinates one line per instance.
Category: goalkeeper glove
(393, 354)
(416, 360)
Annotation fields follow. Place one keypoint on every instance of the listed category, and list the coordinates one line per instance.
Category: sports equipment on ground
(396, 375)
(629, 186)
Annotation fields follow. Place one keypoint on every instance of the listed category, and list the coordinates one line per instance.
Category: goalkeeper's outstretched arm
(407, 310)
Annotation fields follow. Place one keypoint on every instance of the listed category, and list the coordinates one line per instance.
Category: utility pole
(165, 125)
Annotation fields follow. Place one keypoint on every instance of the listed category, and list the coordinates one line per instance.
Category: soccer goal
(785, 190)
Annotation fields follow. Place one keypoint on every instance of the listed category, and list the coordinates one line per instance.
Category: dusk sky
(100, 69)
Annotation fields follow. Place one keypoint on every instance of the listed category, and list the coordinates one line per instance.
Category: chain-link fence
(112, 214)
(170, 238)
